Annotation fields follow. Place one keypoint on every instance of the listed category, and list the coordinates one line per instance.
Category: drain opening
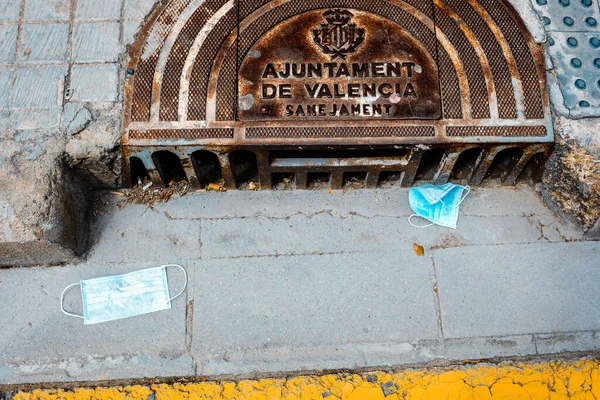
(308, 154)
(533, 169)
(169, 167)
(430, 164)
(354, 180)
(138, 172)
(465, 166)
(244, 168)
(503, 163)
(283, 181)
(207, 167)
(390, 179)
(318, 180)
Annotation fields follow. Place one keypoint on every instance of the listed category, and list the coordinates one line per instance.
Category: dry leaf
(419, 250)
(215, 187)
(252, 186)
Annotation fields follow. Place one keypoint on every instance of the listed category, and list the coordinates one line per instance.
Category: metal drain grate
(295, 168)
(330, 93)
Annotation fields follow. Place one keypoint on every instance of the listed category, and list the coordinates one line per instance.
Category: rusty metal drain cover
(277, 93)
(343, 64)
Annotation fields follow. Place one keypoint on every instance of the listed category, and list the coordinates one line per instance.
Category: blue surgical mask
(122, 296)
(437, 204)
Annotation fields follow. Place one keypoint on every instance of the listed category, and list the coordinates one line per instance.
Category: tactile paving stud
(569, 15)
(576, 59)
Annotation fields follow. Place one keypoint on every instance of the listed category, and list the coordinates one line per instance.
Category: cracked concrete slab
(373, 302)
(518, 289)
(272, 204)
(499, 201)
(39, 342)
(258, 305)
(147, 236)
(323, 233)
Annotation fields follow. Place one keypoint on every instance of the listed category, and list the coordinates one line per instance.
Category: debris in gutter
(216, 187)
(573, 182)
(148, 195)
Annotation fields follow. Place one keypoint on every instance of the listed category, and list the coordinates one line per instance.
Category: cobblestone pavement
(535, 380)
(308, 280)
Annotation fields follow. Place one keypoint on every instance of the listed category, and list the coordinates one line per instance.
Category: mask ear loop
(467, 190)
(418, 226)
(184, 275)
(62, 298)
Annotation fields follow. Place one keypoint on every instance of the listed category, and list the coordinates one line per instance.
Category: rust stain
(377, 72)
(327, 58)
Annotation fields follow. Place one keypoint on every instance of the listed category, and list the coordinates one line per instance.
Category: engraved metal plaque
(297, 93)
(338, 64)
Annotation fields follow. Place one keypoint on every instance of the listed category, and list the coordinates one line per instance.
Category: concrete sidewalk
(302, 280)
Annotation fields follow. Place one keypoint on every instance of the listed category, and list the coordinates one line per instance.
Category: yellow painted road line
(533, 380)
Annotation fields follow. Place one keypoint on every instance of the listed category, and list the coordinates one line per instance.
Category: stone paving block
(261, 305)
(6, 79)
(522, 200)
(97, 83)
(130, 29)
(10, 10)
(47, 10)
(553, 343)
(25, 119)
(8, 43)
(323, 233)
(39, 87)
(481, 348)
(98, 9)
(138, 9)
(518, 289)
(39, 340)
(44, 43)
(4, 127)
(148, 236)
(96, 42)
(79, 121)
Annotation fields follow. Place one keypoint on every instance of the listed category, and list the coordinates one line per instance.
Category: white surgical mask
(121, 296)
(437, 204)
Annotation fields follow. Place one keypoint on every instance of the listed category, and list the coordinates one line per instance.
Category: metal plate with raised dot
(576, 60)
(569, 15)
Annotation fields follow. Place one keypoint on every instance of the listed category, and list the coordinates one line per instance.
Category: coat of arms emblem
(338, 37)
